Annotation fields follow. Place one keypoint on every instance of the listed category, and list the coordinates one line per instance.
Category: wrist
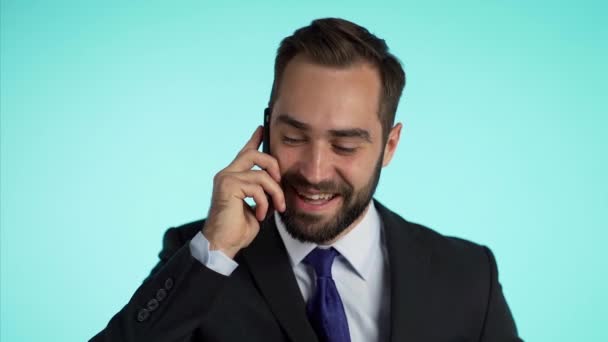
(229, 252)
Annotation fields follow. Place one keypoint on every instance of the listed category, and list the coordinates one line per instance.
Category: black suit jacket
(442, 289)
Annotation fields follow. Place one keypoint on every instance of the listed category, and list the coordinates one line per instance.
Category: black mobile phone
(266, 149)
(266, 139)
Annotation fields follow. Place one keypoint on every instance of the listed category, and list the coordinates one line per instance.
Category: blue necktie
(325, 310)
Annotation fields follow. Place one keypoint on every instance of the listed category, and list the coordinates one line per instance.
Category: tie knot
(321, 260)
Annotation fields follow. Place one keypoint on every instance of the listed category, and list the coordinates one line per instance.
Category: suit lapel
(409, 262)
(409, 273)
(269, 264)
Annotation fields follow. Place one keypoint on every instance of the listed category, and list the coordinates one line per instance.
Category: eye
(291, 141)
(345, 150)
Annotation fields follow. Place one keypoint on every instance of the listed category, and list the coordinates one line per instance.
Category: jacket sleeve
(171, 302)
(498, 324)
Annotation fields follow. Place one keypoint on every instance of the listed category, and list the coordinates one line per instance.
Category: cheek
(286, 158)
(356, 171)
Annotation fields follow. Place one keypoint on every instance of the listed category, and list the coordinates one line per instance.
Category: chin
(315, 228)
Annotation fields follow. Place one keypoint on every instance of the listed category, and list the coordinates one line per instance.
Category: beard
(307, 227)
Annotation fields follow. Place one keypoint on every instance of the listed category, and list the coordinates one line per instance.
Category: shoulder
(446, 252)
(457, 278)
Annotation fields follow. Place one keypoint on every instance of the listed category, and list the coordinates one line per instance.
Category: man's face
(327, 138)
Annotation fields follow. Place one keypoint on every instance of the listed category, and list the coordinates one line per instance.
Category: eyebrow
(288, 120)
(351, 133)
(337, 133)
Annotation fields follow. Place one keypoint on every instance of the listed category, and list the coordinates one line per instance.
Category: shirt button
(152, 304)
(161, 294)
(169, 283)
(143, 315)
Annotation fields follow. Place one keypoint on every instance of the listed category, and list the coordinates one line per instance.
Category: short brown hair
(340, 43)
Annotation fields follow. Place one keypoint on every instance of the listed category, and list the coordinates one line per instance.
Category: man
(317, 259)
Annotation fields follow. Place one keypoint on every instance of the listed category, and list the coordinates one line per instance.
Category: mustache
(296, 180)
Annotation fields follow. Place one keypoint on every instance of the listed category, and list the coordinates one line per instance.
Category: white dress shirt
(360, 272)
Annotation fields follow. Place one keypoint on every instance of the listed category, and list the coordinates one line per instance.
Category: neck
(351, 227)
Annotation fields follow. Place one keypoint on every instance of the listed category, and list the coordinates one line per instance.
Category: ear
(391, 144)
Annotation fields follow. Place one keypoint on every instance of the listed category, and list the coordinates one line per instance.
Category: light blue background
(115, 115)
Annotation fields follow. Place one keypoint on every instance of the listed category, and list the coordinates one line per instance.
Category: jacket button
(152, 304)
(143, 315)
(169, 283)
(161, 294)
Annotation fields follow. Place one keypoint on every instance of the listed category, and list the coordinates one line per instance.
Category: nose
(316, 164)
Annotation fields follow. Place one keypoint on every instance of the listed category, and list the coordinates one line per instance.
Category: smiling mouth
(315, 198)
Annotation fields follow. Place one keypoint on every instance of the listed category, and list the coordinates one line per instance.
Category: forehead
(328, 97)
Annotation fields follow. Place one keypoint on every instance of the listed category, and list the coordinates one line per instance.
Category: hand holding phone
(231, 223)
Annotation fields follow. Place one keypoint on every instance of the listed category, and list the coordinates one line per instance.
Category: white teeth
(317, 197)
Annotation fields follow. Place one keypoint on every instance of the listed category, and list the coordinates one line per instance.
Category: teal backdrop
(115, 115)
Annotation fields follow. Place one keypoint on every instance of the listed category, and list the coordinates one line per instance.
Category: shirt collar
(355, 247)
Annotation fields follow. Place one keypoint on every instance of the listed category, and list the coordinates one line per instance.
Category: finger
(255, 140)
(256, 192)
(269, 186)
(250, 158)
